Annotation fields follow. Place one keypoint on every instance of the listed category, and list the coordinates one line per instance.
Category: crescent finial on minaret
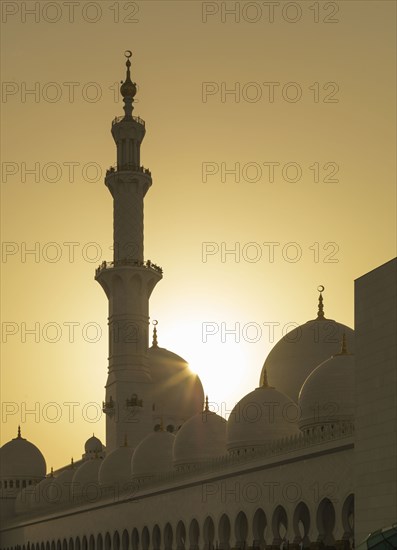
(320, 312)
(128, 88)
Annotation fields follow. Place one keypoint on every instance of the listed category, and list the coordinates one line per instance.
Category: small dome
(327, 396)
(153, 455)
(116, 467)
(85, 480)
(200, 439)
(301, 350)
(65, 482)
(177, 392)
(21, 459)
(262, 416)
(46, 493)
(93, 445)
(23, 502)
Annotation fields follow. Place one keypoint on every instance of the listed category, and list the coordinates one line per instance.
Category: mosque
(308, 459)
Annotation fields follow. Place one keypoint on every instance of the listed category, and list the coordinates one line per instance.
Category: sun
(220, 365)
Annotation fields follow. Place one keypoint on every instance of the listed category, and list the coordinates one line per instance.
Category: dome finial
(19, 432)
(128, 88)
(343, 348)
(206, 408)
(72, 463)
(154, 342)
(52, 472)
(265, 381)
(320, 312)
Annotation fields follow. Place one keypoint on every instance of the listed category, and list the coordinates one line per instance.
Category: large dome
(200, 439)
(65, 482)
(116, 468)
(177, 392)
(23, 501)
(327, 396)
(260, 417)
(46, 493)
(20, 459)
(85, 480)
(301, 350)
(153, 455)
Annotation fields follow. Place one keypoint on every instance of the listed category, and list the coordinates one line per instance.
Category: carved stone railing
(110, 265)
(137, 119)
(317, 436)
(128, 167)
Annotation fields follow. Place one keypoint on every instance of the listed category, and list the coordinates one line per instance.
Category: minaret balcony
(126, 262)
(108, 407)
(128, 168)
(137, 119)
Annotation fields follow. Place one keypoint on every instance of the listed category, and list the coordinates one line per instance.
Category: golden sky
(309, 130)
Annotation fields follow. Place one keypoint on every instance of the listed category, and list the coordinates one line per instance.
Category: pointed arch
(301, 524)
(224, 531)
(326, 522)
(259, 525)
(194, 535)
(241, 530)
(156, 538)
(209, 533)
(279, 524)
(168, 537)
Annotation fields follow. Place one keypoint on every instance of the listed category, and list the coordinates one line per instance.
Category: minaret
(128, 282)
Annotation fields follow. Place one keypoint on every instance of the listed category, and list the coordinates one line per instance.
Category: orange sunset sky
(328, 131)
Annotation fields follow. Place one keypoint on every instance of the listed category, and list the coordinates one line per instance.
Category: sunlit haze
(242, 248)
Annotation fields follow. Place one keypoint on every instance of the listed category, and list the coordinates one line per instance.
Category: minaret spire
(128, 282)
(128, 88)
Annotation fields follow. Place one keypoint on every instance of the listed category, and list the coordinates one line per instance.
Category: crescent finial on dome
(19, 432)
(343, 349)
(320, 312)
(154, 342)
(265, 381)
